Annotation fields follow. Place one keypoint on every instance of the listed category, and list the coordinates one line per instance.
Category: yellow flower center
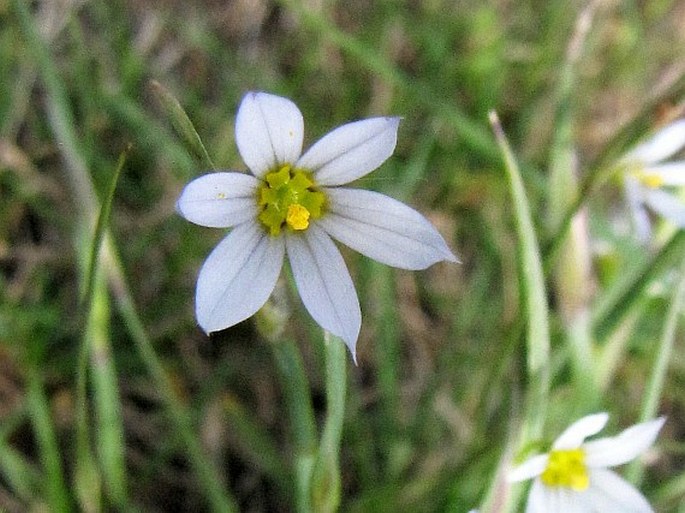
(288, 197)
(652, 181)
(567, 468)
(645, 177)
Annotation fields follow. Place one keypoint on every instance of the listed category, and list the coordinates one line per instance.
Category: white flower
(573, 477)
(291, 204)
(646, 176)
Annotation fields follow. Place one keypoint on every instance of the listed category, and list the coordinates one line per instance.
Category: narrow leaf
(181, 122)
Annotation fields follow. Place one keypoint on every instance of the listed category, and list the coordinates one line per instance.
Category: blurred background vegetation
(441, 371)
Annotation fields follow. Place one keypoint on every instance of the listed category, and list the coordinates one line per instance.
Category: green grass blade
(532, 282)
(657, 379)
(608, 316)
(109, 435)
(535, 297)
(39, 411)
(96, 345)
(181, 122)
(21, 477)
(100, 230)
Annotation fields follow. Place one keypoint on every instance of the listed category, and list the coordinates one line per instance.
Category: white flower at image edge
(574, 477)
(291, 204)
(648, 177)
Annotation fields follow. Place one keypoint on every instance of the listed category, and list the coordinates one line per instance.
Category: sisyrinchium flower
(292, 204)
(574, 477)
(648, 178)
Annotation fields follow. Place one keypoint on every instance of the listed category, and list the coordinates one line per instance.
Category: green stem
(298, 401)
(657, 379)
(326, 474)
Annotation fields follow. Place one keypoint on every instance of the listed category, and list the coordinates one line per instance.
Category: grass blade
(535, 297)
(39, 412)
(181, 122)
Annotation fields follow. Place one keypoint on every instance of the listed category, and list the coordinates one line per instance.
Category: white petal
(635, 197)
(238, 277)
(324, 283)
(268, 131)
(671, 174)
(661, 145)
(626, 446)
(219, 200)
(667, 205)
(539, 498)
(574, 435)
(567, 501)
(609, 492)
(383, 229)
(351, 151)
(555, 499)
(529, 469)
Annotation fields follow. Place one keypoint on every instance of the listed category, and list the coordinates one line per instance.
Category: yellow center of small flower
(651, 181)
(288, 198)
(567, 468)
(645, 177)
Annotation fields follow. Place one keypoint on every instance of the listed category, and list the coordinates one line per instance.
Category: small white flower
(573, 477)
(292, 204)
(647, 174)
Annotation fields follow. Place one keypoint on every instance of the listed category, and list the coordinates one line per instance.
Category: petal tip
(352, 346)
(451, 257)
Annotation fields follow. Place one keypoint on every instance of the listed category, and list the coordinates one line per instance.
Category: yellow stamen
(646, 177)
(652, 181)
(566, 468)
(297, 217)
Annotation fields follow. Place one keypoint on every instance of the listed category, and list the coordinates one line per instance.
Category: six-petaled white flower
(292, 204)
(646, 176)
(573, 477)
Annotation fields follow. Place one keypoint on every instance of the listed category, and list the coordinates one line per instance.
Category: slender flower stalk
(325, 479)
(574, 475)
(292, 204)
(648, 178)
